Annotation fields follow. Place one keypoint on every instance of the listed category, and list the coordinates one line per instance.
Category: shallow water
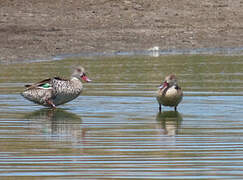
(114, 130)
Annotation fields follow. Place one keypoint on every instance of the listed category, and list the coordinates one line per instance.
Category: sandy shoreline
(39, 29)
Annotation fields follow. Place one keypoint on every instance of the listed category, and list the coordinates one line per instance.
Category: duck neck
(73, 78)
(76, 83)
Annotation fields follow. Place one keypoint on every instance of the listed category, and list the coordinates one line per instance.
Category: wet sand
(40, 29)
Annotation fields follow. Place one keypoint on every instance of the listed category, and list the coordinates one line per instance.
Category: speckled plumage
(65, 91)
(58, 91)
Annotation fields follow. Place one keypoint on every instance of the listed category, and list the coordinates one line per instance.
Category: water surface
(114, 130)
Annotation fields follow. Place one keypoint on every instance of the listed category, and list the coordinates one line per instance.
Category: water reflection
(169, 121)
(58, 124)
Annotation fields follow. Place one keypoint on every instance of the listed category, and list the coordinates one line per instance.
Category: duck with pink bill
(169, 93)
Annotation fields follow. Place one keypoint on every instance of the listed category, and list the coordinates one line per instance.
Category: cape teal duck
(169, 93)
(56, 91)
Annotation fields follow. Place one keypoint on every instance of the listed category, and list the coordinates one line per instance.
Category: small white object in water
(154, 51)
(155, 48)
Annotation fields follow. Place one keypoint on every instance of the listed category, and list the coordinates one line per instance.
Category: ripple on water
(114, 129)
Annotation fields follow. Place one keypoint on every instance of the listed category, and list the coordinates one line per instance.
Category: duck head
(79, 73)
(169, 81)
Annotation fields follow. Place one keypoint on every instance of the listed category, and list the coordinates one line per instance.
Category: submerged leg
(50, 103)
(159, 107)
(175, 108)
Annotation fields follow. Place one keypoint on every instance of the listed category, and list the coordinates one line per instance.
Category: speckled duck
(56, 91)
(169, 93)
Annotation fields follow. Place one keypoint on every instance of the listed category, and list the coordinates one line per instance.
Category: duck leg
(175, 108)
(50, 103)
(159, 107)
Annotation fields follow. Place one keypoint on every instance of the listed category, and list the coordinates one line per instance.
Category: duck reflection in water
(58, 123)
(170, 122)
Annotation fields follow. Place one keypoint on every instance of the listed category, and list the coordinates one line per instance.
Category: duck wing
(40, 92)
(61, 79)
(46, 83)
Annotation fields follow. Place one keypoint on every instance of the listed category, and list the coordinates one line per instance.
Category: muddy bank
(39, 29)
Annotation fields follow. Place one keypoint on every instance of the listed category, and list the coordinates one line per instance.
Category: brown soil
(36, 29)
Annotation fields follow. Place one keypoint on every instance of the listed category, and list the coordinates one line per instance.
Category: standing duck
(56, 91)
(169, 93)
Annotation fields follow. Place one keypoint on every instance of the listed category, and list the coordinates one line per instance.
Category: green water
(114, 130)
